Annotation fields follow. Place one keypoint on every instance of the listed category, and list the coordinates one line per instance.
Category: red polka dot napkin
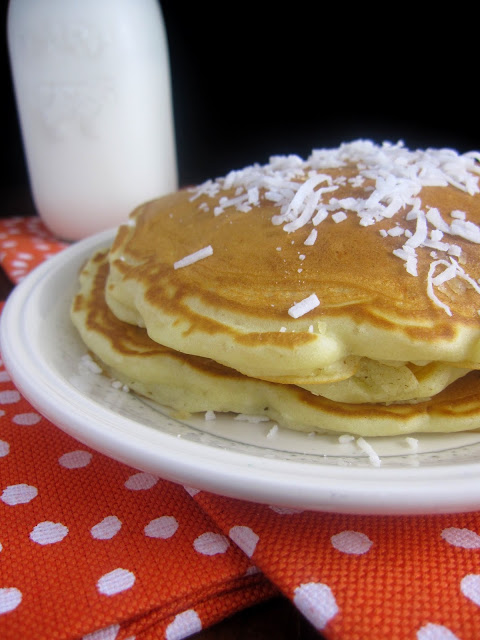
(91, 548)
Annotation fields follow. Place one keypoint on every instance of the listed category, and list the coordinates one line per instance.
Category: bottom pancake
(195, 384)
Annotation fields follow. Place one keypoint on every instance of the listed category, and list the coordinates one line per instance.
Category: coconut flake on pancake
(193, 257)
(399, 175)
(304, 306)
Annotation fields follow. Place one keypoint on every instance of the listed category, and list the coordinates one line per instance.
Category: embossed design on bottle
(69, 108)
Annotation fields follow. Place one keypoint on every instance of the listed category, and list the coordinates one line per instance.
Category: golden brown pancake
(392, 272)
(193, 383)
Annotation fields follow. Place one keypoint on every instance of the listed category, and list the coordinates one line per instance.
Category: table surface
(276, 618)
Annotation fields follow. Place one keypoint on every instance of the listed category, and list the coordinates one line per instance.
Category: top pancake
(394, 266)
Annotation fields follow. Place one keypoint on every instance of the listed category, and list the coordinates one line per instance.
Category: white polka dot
(163, 527)
(115, 582)
(106, 529)
(470, 587)
(351, 542)
(18, 494)
(435, 632)
(284, 511)
(48, 532)
(316, 602)
(10, 598)
(209, 544)
(75, 459)
(140, 481)
(464, 538)
(4, 448)
(109, 633)
(4, 377)
(245, 538)
(191, 491)
(185, 624)
(26, 419)
(19, 264)
(9, 396)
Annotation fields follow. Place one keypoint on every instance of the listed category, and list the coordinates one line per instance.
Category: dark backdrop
(250, 80)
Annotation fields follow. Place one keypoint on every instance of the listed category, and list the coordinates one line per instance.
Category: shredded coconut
(193, 257)
(312, 236)
(242, 417)
(367, 448)
(117, 384)
(304, 306)
(340, 216)
(88, 362)
(452, 270)
(412, 443)
(304, 194)
(396, 231)
(343, 439)
(273, 431)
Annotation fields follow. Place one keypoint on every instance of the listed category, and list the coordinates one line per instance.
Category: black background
(250, 80)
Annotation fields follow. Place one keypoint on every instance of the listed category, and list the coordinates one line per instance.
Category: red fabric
(91, 548)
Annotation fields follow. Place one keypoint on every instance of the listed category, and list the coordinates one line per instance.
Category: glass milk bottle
(92, 87)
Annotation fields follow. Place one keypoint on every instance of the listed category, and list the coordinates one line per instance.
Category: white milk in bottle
(92, 87)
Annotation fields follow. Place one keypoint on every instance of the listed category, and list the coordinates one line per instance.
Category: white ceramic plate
(43, 355)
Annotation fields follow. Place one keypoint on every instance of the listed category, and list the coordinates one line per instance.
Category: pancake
(338, 293)
(298, 271)
(378, 382)
(194, 383)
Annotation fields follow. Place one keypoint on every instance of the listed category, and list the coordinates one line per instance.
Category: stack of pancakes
(337, 293)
